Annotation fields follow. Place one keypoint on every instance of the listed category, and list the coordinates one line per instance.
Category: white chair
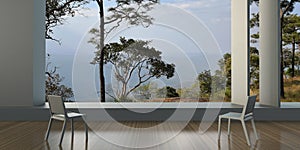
(247, 114)
(58, 112)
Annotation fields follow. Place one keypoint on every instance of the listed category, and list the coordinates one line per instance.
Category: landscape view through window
(147, 58)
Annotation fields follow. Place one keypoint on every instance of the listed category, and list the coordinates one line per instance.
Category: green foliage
(291, 40)
(167, 92)
(205, 83)
(254, 68)
(289, 71)
(228, 93)
(254, 54)
(225, 68)
(290, 29)
(225, 72)
(210, 85)
(134, 59)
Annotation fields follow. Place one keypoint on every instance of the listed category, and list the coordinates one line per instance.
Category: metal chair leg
(48, 129)
(63, 132)
(219, 128)
(254, 129)
(86, 131)
(228, 126)
(245, 131)
(72, 128)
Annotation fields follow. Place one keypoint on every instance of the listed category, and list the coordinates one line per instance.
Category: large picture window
(164, 63)
(147, 58)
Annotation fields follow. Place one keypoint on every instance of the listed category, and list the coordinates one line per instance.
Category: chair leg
(254, 128)
(63, 132)
(86, 131)
(72, 128)
(219, 128)
(228, 126)
(48, 129)
(245, 131)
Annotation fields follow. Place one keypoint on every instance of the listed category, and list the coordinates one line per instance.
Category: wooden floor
(149, 135)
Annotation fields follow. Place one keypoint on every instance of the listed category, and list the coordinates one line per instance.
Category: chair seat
(58, 117)
(74, 115)
(70, 115)
(232, 115)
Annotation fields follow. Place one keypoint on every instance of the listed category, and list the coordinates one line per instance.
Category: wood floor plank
(149, 136)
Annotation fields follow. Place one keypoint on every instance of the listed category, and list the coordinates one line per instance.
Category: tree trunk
(101, 62)
(293, 57)
(281, 60)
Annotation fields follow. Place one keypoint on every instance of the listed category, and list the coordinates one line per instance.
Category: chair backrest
(249, 107)
(56, 104)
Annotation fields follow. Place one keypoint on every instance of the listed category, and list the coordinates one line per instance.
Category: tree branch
(287, 8)
(111, 96)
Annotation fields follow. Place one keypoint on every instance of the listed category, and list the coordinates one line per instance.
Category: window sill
(175, 105)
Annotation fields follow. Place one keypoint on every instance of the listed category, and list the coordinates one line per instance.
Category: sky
(193, 33)
(215, 14)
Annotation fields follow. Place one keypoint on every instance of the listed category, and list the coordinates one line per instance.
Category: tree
(56, 12)
(286, 7)
(134, 59)
(122, 12)
(53, 84)
(145, 91)
(190, 92)
(210, 85)
(205, 83)
(291, 36)
(225, 70)
(167, 92)
(254, 68)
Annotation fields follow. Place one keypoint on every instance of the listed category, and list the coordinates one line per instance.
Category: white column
(269, 82)
(239, 51)
(22, 52)
(39, 52)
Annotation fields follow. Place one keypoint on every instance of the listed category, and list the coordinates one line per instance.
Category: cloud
(87, 12)
(199, 4)
(192, 4)
(220, 20)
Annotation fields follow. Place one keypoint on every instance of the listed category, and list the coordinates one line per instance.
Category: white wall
(22, 52)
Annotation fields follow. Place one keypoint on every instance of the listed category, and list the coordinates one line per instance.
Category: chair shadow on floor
(229, 144)
(60, 147)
